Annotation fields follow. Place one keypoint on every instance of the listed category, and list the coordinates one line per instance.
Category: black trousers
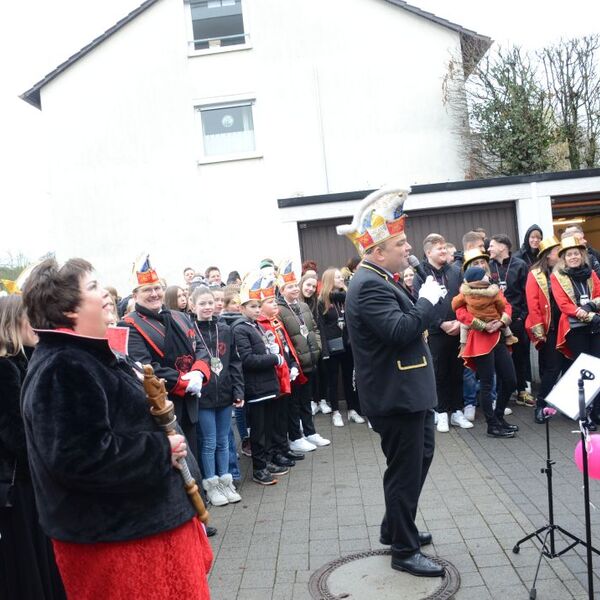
(552, 364)
(345, 362)
(279, 439)
(261, 431)
(299, 409)
(497, 361)
(448, 369)
(408, 442)
(520, 354)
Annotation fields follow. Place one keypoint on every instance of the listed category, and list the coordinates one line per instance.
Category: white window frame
(191, 50)
(205, 103)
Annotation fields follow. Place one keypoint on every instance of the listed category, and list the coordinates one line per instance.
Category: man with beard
(394, 368)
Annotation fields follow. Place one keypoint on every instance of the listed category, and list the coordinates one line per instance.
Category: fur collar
(488, 292)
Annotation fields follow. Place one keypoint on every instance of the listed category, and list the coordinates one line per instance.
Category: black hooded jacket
(526, 252)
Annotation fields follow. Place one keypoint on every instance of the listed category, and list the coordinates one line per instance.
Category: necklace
(216, 365)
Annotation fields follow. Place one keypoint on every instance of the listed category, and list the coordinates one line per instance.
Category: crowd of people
(259, 355)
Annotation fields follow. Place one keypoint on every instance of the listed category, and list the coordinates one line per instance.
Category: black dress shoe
(539, 416)
(424, 539)
(294, 455)
(505, 425)
(283, 461)
(210, 531)
(498, 431)
(417, 564)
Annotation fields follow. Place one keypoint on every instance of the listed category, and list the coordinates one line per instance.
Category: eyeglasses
(151, 290)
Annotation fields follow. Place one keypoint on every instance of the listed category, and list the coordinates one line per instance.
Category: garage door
(320, 242)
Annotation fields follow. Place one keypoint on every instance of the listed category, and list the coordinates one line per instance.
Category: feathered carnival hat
(379, 217)
(268, 288)
(251, 288)
(286, 274)
(15, 287)
(142, 273)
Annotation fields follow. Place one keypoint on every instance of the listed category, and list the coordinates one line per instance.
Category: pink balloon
(593, 457)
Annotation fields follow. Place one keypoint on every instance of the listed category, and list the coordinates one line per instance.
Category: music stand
(574, 406)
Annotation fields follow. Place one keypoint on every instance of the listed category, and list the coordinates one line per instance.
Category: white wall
(348, 96)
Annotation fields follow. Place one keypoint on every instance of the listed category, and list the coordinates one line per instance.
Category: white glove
(294, 373)
(431, 290)
(194, 379)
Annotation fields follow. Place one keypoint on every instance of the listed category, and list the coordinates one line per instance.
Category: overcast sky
(37, 35)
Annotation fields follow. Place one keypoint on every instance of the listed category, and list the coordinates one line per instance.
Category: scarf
(579, 274)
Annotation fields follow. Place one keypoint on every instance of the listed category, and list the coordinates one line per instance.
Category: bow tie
(396, 277)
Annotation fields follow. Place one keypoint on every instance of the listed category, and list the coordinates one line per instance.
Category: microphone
(413, 261)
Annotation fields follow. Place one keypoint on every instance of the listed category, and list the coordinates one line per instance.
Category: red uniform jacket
(537, 291)
(564, 295)
(479, 343)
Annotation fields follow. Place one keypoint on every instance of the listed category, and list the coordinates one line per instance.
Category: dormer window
(217, 23)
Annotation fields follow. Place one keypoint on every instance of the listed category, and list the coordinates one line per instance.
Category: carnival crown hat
(286, 274)
(268, 288)
(142, 273)
(379, 217)
(251, 287)
(574, 241)
(471, 255)
(15, 287)
(547, 244)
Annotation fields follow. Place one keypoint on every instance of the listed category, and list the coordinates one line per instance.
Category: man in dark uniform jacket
(166, 340)
(394, 369)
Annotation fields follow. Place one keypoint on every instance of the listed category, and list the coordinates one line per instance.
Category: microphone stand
(547, 532)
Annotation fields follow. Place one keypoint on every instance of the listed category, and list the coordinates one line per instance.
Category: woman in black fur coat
(105, 478)
(27, 567)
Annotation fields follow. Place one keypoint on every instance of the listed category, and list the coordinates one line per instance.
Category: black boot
(505, 425)
(496, 430)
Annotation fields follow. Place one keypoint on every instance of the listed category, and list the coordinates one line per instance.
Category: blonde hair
(327, 285)
(12, 312)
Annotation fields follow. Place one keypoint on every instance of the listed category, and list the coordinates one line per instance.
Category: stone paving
(481, 496)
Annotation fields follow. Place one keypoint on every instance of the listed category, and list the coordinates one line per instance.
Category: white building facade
(177, 131)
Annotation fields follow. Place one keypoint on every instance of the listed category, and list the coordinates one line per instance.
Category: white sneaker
(325, 408)
(354, 416)
(507, 411)
(336, 418)
(469, 412)
(214, 493)
(314, 408)
(228, 489)
(442, 424)
(302, 445)
(458, 420)
(317, 440)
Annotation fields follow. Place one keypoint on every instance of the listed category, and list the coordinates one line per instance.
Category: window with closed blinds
(217, 23)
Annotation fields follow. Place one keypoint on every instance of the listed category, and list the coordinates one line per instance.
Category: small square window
(217, 23)
(227, 129)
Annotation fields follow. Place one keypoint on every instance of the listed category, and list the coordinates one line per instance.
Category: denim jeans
(241, 422)
(234, 467)
(213, 429)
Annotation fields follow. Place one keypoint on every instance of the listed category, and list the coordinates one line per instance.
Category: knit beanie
(474, 274)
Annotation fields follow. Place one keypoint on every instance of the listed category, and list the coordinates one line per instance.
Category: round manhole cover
(368, 576)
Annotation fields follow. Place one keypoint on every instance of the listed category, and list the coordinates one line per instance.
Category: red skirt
(171, 564)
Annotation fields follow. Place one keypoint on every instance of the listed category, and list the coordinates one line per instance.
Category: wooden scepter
(163, 411)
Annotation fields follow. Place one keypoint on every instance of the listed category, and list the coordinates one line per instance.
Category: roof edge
(32, 95)
(447, 186)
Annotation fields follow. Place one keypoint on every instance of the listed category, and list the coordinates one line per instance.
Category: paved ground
(481, 496)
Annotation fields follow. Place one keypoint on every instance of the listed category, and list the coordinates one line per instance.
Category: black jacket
(394, 368)
(513, 271)
(223, 389)
(13, 448)
(329, 322)
(450, 277)
(149, 348)
(100, 467)
(260, 377)
(526, 252)
(307, 348)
